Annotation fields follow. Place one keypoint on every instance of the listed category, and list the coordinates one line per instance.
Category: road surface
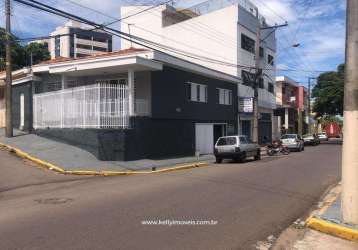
(244, 203)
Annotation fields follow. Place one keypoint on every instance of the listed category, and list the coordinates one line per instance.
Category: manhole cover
(53, 200)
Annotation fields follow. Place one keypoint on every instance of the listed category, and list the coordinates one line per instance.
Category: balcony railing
(99, 105)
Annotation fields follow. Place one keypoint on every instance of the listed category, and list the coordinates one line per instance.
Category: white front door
(204, 138)
(22, 111)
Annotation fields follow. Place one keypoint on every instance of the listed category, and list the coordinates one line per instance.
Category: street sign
(246, 104)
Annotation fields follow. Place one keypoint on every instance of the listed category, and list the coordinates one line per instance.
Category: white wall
(212, 35)
(215, 35)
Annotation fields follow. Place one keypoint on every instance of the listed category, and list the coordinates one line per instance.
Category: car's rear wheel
(258, 155)
(218, 160)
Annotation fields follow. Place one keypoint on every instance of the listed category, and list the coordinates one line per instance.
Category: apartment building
(219, 35)
(292, 106)
(73, 40)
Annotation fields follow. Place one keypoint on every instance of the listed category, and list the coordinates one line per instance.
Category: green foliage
(328, 93)
(21, 54)
(37, 51)
(17, 52)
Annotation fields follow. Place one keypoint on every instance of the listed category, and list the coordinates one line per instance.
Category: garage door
(204, 138)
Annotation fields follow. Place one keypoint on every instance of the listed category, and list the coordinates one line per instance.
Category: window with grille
(270, 60)
(261, 83)
(197, 92)
(224, 96)
(247, 78)
(271, 87)
(247, 44)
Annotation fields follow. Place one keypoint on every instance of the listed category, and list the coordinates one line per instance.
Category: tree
(21, 55)
(37, 51)
(17, 52)
(328, 93)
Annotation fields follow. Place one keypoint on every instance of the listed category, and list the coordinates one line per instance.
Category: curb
(332, 229)
(60, 170)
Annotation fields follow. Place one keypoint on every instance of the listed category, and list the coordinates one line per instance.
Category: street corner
(327, 218)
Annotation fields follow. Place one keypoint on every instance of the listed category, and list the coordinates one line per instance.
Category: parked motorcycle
(276, 147)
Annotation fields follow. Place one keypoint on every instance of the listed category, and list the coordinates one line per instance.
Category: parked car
(311, 139)
(293, 142)
(237, 148)
(323, 136)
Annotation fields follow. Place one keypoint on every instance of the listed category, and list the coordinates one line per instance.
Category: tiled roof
(100, 55)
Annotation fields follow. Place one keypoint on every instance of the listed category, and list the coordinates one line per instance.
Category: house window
(57, 46)
(121, 81)
(247, 78)
(261, 83)
(270, 60)
(99, 48)
(54, 86)
(197, 92)
(270, 87)
(224, 96)
(247, 43)
(83, 46)
(262, 52)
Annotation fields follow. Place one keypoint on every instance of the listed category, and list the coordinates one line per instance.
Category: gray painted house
(128, 105)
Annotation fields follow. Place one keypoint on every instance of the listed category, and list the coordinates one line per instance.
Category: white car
(293, 142)
(322, 136)
(237, 147)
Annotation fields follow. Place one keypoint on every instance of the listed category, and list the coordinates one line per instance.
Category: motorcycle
(276, 147)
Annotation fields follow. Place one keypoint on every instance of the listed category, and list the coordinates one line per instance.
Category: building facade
(73, 40)
(210, 33)
(292, 106)
(127, 105)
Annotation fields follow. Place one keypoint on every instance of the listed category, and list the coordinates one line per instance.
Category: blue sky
(318, 25)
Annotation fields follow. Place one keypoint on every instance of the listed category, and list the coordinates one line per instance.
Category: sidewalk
(329, 220)
(71, 158)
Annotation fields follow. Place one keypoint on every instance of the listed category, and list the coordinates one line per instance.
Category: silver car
(293, 142)
(322, 136)
(237, 148)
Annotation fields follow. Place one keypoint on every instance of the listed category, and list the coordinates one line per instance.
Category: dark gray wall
(169, 94)
(26, 89)
(152, 139)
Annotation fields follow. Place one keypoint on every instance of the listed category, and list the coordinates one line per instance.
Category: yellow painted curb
(53, 167)
(332, 229)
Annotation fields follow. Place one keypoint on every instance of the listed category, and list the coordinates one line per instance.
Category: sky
(317, 25)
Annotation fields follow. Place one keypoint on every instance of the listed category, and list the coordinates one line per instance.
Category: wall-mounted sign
(246, 104)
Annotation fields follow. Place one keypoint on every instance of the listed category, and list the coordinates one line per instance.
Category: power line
(127, 37)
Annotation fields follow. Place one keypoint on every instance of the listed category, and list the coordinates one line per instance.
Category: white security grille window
(197, 92)
(224, 96)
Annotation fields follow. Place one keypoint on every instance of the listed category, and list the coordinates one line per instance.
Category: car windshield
(288, 137)
(322, 134)
(226, 141)
(308, 135)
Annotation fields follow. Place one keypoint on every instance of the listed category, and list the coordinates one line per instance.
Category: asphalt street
(244, 203)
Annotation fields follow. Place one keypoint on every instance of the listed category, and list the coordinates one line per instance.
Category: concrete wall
(214, 35)
(170, 100)
(149, 139)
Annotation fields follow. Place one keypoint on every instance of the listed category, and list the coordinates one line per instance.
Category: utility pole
(255, 127)
(349, 207)
(8, 92)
